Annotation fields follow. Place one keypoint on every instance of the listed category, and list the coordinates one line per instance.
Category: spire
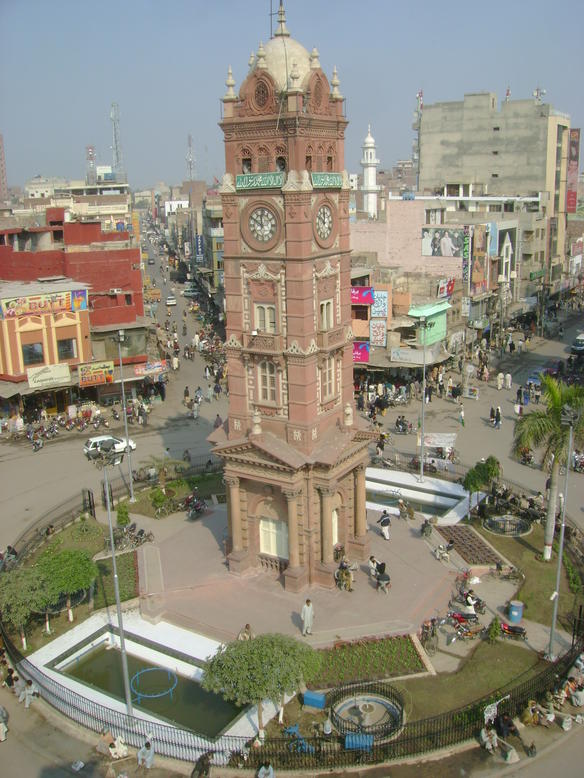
(314, 60)
(251, 61)
(282, 30)
(335, 83)
(230, 83)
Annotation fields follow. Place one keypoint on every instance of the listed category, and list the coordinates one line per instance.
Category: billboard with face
(442, 241)
(479, 271)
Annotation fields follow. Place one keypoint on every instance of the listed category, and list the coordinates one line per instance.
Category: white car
(171, 300)
(93, 446)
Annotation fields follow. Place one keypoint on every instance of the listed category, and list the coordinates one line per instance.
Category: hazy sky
(63, 63)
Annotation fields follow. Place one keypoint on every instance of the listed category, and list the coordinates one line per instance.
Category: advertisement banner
(507, 253)
(362, 295)
(493, 246)
(199, 248)
(438, 439)
(465, 307)
(151, 368)
(478, 275)
(443, 242)
(379, 309)
(378, 332)
(572, 178)
(48, 376)
(360, 351)
(96, 373)
(34, 305)
(446, 287)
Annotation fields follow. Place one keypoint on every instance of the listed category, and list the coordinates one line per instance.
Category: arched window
(267, 381)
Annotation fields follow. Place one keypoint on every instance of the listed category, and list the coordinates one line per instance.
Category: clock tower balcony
(263, 343)
(326, 339)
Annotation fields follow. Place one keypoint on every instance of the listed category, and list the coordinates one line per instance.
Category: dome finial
(230, 83)
(314, 60)
(335, 83)
(261, 57)
(282, 30)
(251, 61)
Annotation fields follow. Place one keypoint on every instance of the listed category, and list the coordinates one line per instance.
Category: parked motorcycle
(513, 631)
(100, 422)
(406, 428)
(37, 444)
(115, 414)
(442, 552)
(458, 617)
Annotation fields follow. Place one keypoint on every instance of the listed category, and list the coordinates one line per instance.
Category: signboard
(379, 309)
(378, 332)
(535, 274)
(493, 246)
(415, 356)
(199, 248)
(572, 177)
(151, 368)
(438, 439)
(360, 351)
(446, 287)
(478, 275)
(48, 376)
(34, 305)
(326, 180)
(259, 181)
(465, 307)
(362, 295)
(96, 373)
(443, 242)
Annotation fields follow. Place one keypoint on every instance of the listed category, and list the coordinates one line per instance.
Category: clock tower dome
(293, 449)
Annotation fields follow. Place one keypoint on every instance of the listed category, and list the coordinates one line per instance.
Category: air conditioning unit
(116, 291)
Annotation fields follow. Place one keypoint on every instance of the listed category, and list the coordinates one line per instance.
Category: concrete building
(213, 242)
(476, 147)
(294, 451)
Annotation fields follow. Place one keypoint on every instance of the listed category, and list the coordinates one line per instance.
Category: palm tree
(543, 428)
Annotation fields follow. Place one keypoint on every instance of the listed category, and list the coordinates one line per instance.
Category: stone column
(326, 519)
(360, 502)
(293, 548)
(234, 512)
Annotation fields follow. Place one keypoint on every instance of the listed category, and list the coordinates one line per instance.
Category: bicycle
(505, 573)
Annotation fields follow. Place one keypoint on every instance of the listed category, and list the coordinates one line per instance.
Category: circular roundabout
(376, 710)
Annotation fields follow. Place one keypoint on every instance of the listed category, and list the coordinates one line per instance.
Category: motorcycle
(37, 444)
(459, 598)
(457, 618)
(442, 552)
(414, 464)
(116, 414)
(70, 425)
(527, 458)
(100, 422)
(513, 631)
(404, 429)
(197, 507)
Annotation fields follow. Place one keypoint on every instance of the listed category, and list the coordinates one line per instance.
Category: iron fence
(295, 752)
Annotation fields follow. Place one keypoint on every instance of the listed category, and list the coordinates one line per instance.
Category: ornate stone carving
(328, 270)
(231, 480)
(294, 348)
(262, 274)
(233, 342)
(227, 184)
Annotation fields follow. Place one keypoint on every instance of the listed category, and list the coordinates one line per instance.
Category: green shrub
(157, 497)
(123, 514)
(494, 630)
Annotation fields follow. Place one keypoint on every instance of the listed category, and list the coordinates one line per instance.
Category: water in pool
(191, 707)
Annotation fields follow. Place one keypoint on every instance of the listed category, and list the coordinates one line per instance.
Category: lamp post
(569, 417)
(107, 457)
(423, 324)
(119, 339)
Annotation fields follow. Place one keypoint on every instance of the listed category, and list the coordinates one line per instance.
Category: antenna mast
(90, 169)
(118, 161)
(190, 158)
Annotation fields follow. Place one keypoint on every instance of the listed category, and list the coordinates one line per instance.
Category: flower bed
(367, 659)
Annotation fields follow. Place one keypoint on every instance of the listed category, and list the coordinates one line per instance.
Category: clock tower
(294, 450)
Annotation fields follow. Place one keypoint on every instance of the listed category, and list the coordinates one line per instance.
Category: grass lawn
(84, 535)
(206, 485)
(487, 668)
(540, 577)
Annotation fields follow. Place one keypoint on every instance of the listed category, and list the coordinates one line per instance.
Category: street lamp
(569, 417)
(106, 457)
(119, 339)
(424, 325)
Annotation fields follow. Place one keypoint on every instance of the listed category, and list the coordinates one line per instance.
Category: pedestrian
(10, 678)
(218, 422)
(307, 616)
(217, 391)
(384, 522)
(380, 446)
(461, 414)
(519, 347)
(460, 364)
(519, 395)
(266, 771)
(186, 395)
(246, 633)
(209, 393)
(175, 362)
(3, 723)
(537, 394)
(28, 694)
(207, 372)
(492, 416)
(498, 418)
(511, 346)
(146, 756)
(449, 386)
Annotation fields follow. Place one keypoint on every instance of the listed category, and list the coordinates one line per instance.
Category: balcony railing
(329, 338)
(262, 342)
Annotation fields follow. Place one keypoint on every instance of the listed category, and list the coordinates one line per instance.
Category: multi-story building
(294, 451)
(474, 147)
(213, 238)
(106, 263)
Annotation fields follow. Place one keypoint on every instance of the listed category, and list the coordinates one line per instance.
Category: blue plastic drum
(515, 611)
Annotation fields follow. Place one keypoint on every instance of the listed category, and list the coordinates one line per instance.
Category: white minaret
(369, 163)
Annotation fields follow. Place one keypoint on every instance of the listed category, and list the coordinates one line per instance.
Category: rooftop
(40, 286)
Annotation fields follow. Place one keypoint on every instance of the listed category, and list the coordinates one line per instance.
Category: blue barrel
(515, 611)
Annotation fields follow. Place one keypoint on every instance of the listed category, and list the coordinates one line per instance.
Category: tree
(22, 594)
(481, 476)
(67, 572)
(266, 667)
(542, 428)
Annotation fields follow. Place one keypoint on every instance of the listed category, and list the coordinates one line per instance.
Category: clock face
(324, 222)
(262, 224)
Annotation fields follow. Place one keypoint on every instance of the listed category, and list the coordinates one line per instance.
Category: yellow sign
(96, 373)
(37, 304)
